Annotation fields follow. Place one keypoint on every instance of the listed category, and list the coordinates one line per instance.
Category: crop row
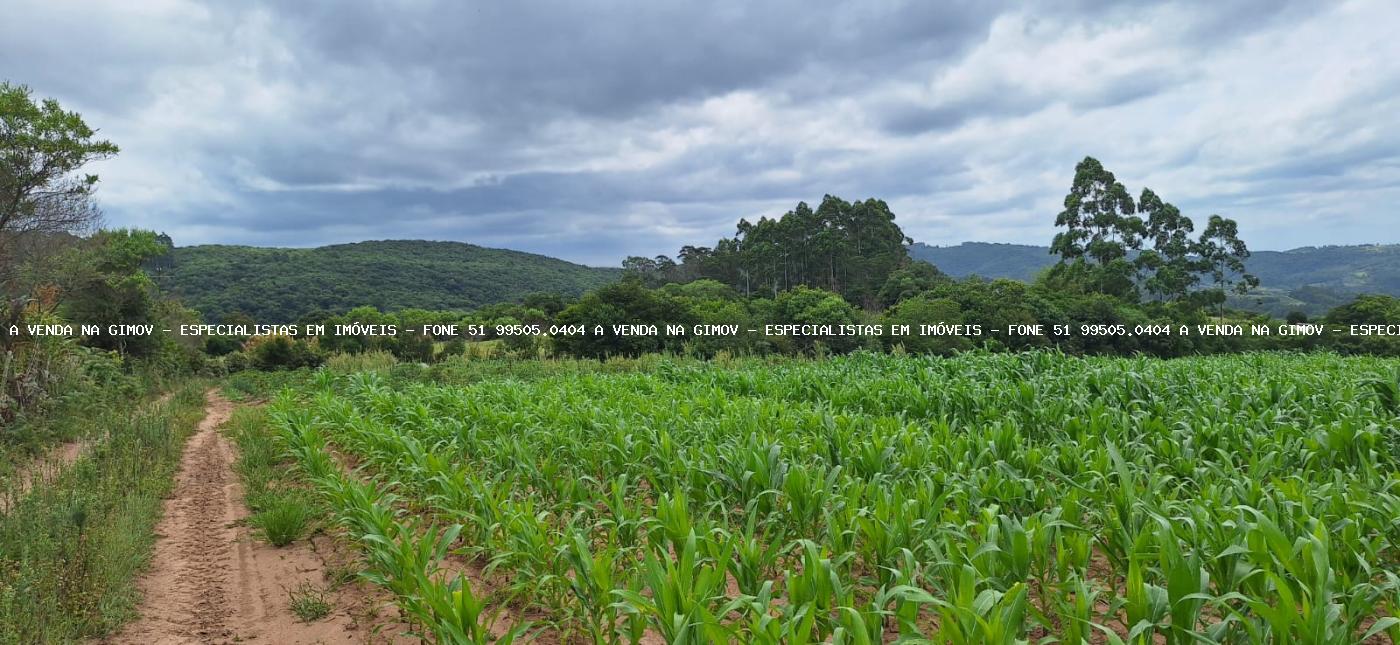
(981, 499)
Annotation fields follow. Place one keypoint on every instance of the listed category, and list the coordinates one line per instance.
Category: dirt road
(210, 581)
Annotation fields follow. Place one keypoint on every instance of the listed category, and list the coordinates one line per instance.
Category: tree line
(844, 247)
(1110, 244)
(1120, 261)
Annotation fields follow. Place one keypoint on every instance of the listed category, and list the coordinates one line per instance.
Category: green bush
(923, 310)
(271, 353)
(236, 362)
(809, 306)
(284, 520)
(222, 345)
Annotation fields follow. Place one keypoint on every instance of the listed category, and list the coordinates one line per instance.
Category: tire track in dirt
(211, 581)
(185, 593)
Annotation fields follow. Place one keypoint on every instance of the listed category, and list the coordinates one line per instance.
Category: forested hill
(279, 285)
(1310, 279)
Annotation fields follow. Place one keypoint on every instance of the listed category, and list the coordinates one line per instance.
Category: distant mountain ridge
(281, 284)
(1310, 279)
(986, 259)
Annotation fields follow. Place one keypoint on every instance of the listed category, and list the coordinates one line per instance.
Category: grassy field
(980, 499)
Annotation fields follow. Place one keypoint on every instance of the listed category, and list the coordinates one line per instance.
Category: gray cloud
(591, 131)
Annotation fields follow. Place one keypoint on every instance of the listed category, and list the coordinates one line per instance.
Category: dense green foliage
(589, 327)
(627, 302)
(1367, 310)
(991, 498)
(281, 285)
(101, 281)
(50, 277)
(43, 200)
(97, 281)
(66, 382)
(1104, 245)
(845, 247)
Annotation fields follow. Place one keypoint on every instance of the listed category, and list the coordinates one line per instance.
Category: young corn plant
(686, 600)
(987, 616)
(592, 580)
(454, 614)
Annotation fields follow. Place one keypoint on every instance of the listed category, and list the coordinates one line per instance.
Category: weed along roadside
(323, 588)
(45, 469)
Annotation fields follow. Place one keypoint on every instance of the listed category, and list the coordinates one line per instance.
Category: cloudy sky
(592, 131)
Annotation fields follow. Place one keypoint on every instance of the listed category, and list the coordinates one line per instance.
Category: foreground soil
(211, 581)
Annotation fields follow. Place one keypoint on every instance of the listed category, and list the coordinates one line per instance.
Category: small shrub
(223, 345)
(483, 349)
(271, 353)
(454, 347)
(236, 362)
